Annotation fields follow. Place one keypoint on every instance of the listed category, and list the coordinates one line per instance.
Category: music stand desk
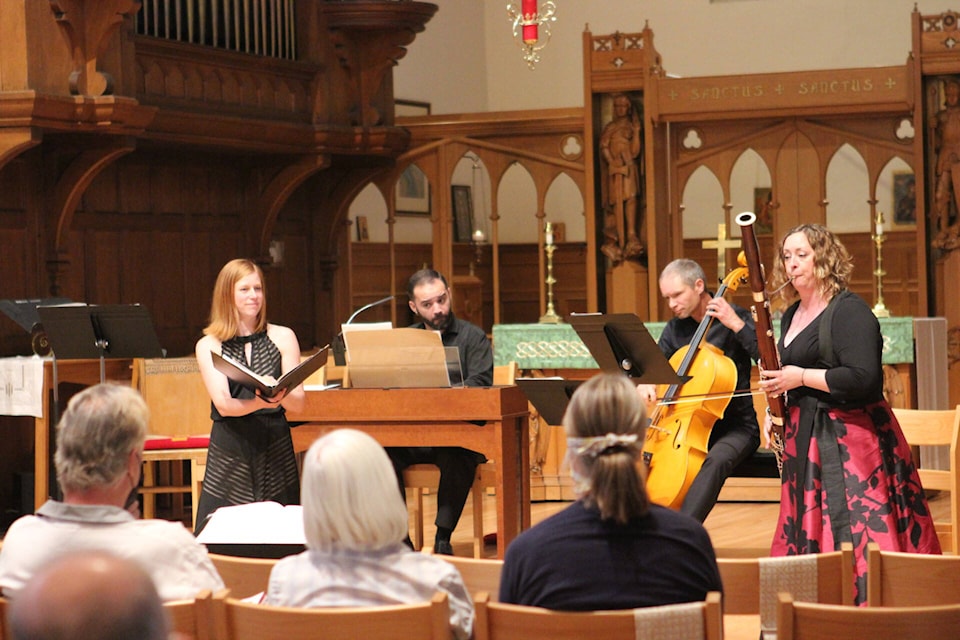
(621, 343)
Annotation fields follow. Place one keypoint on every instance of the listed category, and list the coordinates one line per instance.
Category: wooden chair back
(479, 574)
(689, 621)
(748, 582)
(937, 428)
(192, 618)
(814, 621)
(506, 374)
(174, 391)
(896, 579)
(244, 577)
(179, 427)
(4, 605)
(750, 586)
(237, 620)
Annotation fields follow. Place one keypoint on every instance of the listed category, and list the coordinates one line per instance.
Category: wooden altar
(490, 420)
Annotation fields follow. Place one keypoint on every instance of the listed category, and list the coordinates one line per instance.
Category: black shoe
(443, 547)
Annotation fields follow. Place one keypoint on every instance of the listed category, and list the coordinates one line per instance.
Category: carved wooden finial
(87, 25)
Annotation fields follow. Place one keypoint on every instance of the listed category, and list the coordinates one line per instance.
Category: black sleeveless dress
(251, 457)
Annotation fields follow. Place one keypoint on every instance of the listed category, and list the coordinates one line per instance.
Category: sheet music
(255, 523)
(21, 393)
(366, 326)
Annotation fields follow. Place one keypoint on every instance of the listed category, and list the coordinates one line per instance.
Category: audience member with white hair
(355, 524)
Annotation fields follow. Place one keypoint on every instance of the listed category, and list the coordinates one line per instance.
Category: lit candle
(479, 236)
(880, 223)
(529, 10)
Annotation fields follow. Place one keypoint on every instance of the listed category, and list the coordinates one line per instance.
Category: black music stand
(80, 331)
(24, 313)
(549, 396)
(620, 342)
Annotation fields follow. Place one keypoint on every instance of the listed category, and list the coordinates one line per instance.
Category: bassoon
(766, 342)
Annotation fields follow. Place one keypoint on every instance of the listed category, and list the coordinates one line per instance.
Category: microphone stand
(337, 344)
(368, 306)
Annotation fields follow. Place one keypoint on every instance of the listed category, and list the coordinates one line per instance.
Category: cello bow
(766, 342)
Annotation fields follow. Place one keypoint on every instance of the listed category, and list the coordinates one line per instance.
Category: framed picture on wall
(363, 231)
(462, 213)
(413, 192)
(904, 199)
(404, 108)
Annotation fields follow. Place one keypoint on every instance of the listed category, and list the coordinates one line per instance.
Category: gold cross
(721, 244)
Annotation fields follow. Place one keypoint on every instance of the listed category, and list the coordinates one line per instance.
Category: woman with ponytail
(612, 548)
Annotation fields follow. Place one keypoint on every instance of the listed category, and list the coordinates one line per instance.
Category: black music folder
(620, 342)
(239, 373)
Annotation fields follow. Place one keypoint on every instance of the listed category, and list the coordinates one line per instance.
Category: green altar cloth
(557, 346)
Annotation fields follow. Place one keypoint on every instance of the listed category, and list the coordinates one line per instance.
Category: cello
(679, 432)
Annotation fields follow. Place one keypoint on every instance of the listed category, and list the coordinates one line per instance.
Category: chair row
(750, 584)
(221, 617)
(919, 597)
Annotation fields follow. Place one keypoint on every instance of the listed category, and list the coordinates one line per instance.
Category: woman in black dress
(251, 456)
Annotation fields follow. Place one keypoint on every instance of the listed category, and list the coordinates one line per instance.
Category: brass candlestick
(879, 309)
(478, 240)
(550, 317)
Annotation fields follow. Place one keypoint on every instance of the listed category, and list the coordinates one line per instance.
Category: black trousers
(458, 467)
(728, 448)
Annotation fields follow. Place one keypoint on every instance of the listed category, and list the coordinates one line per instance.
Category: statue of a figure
(946, 144)
(620, 145)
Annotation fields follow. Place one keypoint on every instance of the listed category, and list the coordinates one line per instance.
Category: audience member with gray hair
(98, 460)
(89, 595)
(355, 523)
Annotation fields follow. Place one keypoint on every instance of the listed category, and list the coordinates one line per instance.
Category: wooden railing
(259, 27)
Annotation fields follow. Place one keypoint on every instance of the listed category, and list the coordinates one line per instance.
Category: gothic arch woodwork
(499, 140)
(67, 192)
(13, 142)
(276, 193)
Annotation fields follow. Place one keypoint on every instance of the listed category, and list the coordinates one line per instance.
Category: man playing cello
(736, 435)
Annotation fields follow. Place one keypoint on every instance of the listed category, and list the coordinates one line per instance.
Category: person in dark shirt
(736, 436)
(429, 297)
(612, 548)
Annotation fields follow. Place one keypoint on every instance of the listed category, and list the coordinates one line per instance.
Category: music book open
(241, 374)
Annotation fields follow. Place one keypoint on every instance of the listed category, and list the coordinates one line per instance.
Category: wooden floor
(736, 528)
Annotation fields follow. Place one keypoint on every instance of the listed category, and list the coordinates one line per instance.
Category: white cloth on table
(21, 393)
